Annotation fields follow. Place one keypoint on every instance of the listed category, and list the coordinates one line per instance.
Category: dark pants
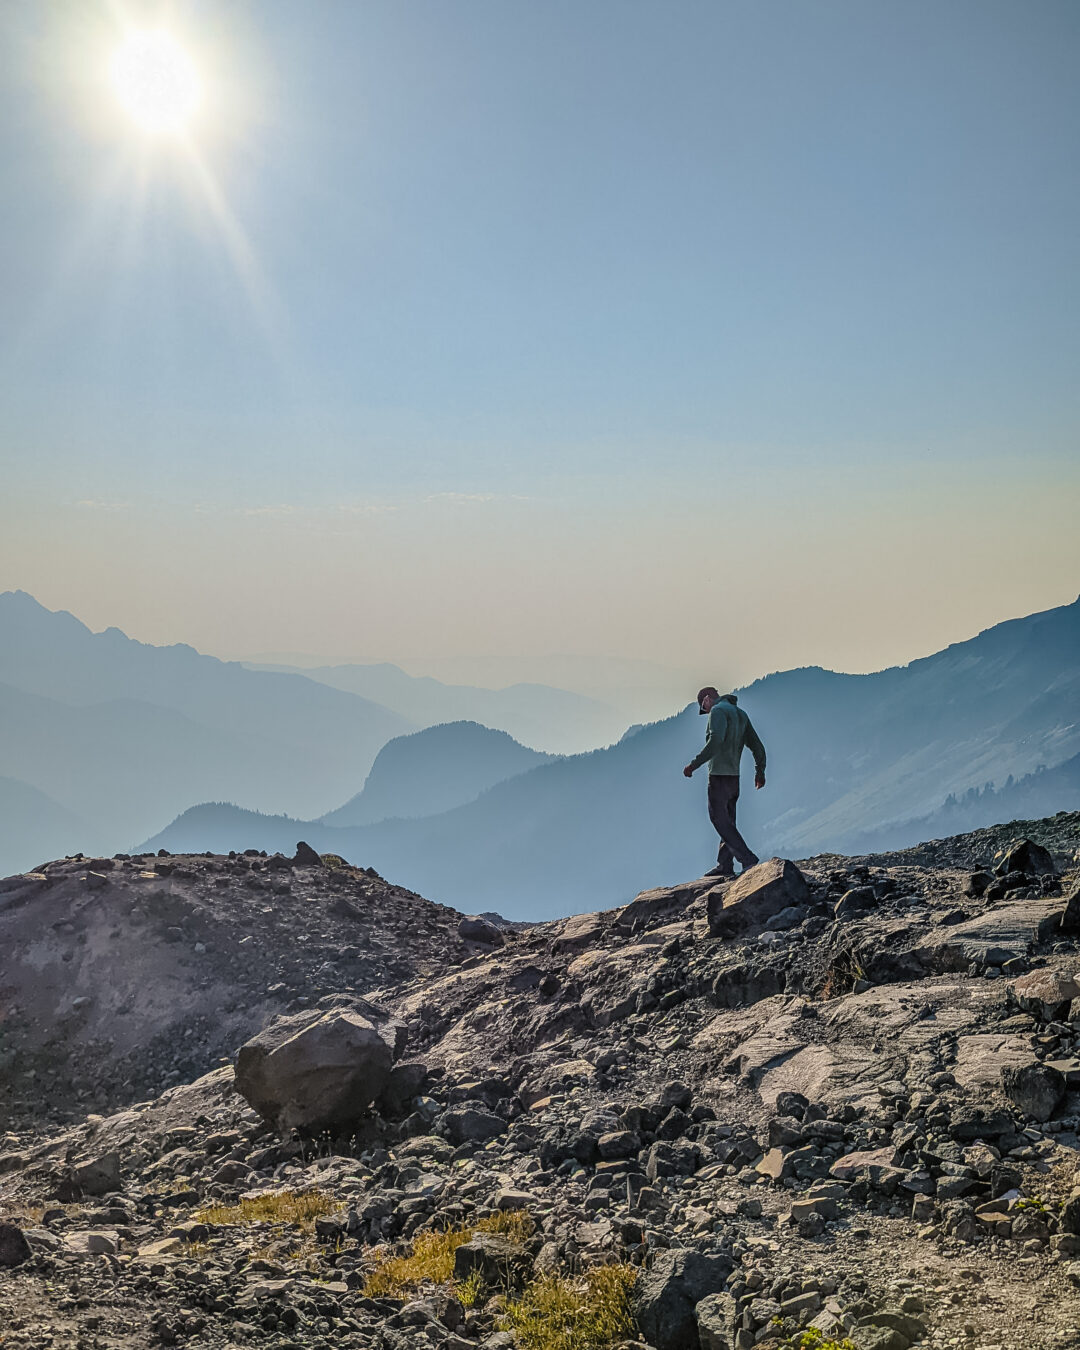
(723, 796)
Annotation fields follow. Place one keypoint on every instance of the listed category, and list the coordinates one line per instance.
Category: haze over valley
(127, 746)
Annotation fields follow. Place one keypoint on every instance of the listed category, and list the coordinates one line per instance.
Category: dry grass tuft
(516, 1224)
(470, 1291)
(590, 1313)
(300, 1209)
(430, 1258)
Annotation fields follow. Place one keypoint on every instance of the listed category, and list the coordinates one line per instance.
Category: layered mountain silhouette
(122, 734)
(435, 770)
(553, 720)
(847, 754)
(118, 736)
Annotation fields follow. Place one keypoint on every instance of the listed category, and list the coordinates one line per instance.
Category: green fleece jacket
(728, 731)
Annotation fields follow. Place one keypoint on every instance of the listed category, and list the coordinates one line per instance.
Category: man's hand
(688, 772)
(759, 781)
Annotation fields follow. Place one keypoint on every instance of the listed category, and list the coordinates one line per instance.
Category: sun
(156, 82)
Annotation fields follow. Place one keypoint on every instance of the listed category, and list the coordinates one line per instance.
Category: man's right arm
(706, 752)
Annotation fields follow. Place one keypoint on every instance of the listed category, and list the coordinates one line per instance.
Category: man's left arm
(753, 740)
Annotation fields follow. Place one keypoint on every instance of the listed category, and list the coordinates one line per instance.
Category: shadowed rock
(14, 1248)
(475, 929)
(1036, 1089)
(666, 1295)
(319, 1070)
(1026, 856)
(306, 856)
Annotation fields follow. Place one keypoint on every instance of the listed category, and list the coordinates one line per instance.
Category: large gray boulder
(1037, 1089)
(666, 1295)
(755, 896)
(319, 1070)
(472, 1125)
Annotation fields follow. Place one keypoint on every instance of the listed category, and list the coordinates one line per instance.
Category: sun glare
(156, 82)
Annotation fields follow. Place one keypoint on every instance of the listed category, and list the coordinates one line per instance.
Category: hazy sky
(726, 336)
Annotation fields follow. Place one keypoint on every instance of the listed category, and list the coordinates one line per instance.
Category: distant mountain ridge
(847, 754)
(435, 770)
(122, 734)
(539, 716)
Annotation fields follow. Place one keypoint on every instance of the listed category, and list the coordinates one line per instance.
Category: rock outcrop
(756, 896)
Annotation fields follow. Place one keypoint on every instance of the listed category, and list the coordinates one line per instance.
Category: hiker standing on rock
(729, 730)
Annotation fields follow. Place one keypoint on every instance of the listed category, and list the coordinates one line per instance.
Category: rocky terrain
(279, 1102)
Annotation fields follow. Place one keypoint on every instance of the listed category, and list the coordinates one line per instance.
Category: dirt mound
(122, 975)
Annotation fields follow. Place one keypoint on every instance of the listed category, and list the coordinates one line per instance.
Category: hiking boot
(720, 872)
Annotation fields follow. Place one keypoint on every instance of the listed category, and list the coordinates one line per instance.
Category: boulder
(992, 938)
(756, 896)
(672, 1095)
(577, 933)
(1036, 1089)
(471, 1124)
(499, 1259)
(97, 1175)
(475, 929)
(856, 901)
(663, 902)
(305, 856)
(618, 1144)
(671, 1160)
(91, 1243)
(979, 1122)
(716, 1322)
(319, 1070)
(666, 1296)
(1025, 856)
(1046, 993)
(406, 1082)
(871, 1163)
(14, 1248)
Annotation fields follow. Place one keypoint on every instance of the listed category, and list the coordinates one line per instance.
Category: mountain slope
(847, 753)
(1035, 795)
(124, 734)
(32, 825)
(553, 720)
(435, 770)
(119, 766)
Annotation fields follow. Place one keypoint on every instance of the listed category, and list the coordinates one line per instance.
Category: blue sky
(505, 328)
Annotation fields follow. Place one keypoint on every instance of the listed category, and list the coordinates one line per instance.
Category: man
(729, 730)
